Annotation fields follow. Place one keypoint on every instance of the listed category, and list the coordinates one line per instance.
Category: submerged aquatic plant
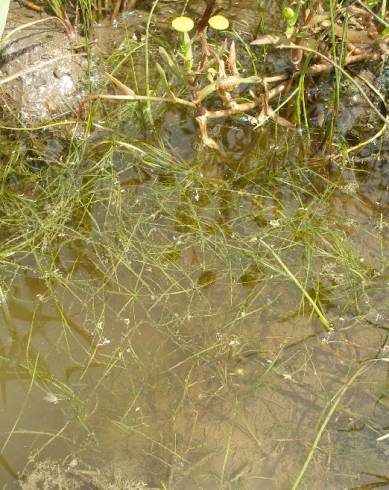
(164, 290)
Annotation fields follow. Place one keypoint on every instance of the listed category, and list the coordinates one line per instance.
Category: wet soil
(45, 74)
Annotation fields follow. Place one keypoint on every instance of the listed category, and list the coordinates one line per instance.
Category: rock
(42, 74)
(44, 71)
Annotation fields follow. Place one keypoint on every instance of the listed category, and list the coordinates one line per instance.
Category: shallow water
(159, 337)
(167, 342)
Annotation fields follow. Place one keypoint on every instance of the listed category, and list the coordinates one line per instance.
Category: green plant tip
(182, 24)
(219, 22)
(289, 14)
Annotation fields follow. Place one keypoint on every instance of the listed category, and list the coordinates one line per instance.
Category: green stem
(330, 409)
(147, 71)
(289, 274)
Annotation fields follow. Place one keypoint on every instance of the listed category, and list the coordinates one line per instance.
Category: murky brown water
(157, 336)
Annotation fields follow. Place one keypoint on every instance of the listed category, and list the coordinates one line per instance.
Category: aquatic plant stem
(312, 302)
(332, 405)
(135, 98)
(147, 68)
(228, 447)
(23, 406)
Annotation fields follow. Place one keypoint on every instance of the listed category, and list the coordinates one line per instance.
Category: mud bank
(43, 73)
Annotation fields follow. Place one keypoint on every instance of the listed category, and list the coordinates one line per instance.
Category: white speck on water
(51, 398)
(103, 341)
(234, 343)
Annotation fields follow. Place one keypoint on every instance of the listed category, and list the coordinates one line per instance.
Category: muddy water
(157, 340)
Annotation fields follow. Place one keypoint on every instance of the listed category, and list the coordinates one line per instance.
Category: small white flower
(275, 223)
(103, 341)
(234, 343)
(51, 398)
